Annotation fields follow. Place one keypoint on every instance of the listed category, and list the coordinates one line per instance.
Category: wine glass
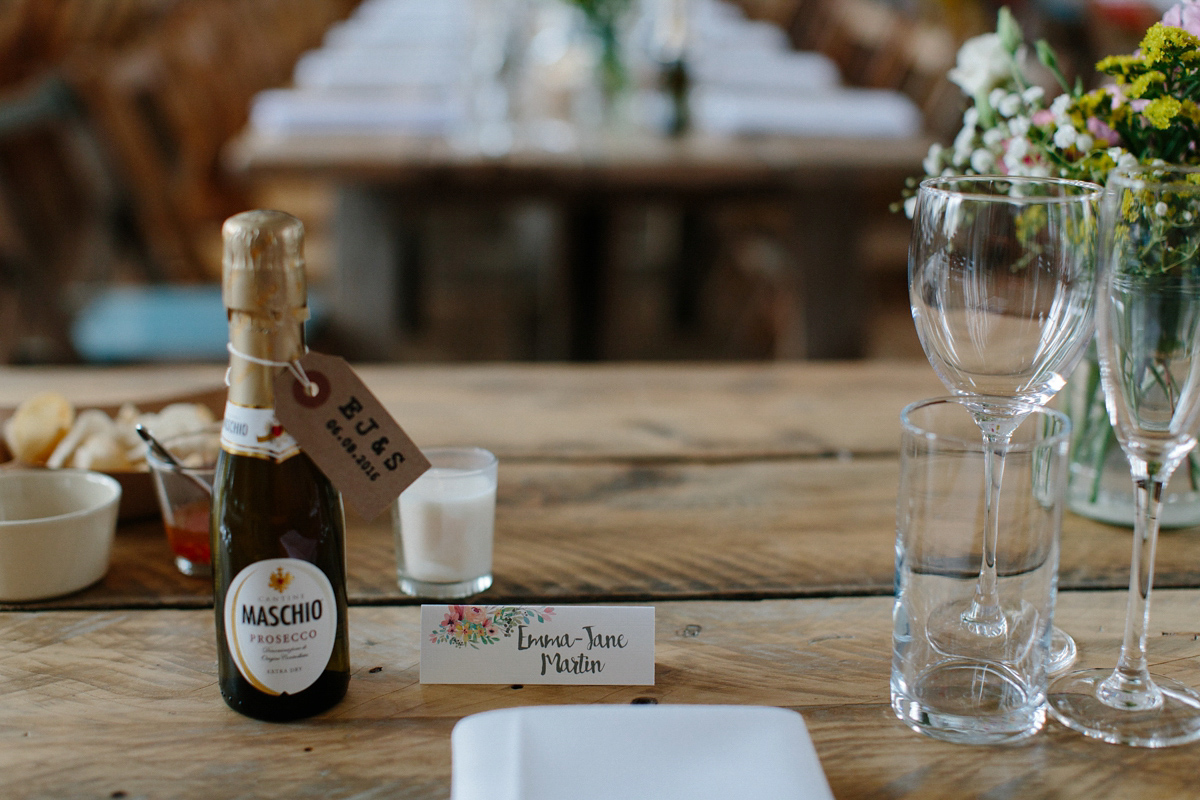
(1148, 324)
(1002, 287)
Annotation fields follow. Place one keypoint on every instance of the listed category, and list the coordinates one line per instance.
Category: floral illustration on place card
(471, 626)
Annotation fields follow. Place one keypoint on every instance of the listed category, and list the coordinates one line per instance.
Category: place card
(578, 645)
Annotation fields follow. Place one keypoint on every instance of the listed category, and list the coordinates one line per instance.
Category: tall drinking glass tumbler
(444, 525)
(997, 693)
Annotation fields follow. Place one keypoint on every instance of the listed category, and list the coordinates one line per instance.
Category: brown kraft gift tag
(348, 433)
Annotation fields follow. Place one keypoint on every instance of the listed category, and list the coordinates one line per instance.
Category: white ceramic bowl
(56, 531)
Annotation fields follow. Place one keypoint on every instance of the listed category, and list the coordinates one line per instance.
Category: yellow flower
(1161, 111)
(1129, 207)
(1090, 102)
(1163, 38)
(1119, 65)
(1191, 111)
(1121, 115)
(1139, 86)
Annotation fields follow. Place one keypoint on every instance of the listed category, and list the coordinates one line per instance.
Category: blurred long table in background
(753, 505)
(831, 187)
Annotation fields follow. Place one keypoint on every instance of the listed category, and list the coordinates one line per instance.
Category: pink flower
(1043, 117)
(452, 616)
(476, 615)
(1102, 132)
(1186, 15)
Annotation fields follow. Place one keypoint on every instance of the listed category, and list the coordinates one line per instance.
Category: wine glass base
(1062, 652)
(951, 635)
(1073, 702)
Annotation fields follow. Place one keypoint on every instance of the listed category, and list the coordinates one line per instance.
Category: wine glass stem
(984, 616)
(1130, 685)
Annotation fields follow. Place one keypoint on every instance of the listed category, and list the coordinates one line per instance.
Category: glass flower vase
(1099, 486)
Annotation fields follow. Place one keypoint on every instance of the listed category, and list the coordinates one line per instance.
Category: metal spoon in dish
(165, 455)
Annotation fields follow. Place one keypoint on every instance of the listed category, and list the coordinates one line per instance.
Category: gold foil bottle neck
(264, 263)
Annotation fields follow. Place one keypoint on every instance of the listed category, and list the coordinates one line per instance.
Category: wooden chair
(60, 215)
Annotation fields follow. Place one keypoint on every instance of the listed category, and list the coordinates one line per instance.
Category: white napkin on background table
(291, 112)
(872, 113)
(636, 752)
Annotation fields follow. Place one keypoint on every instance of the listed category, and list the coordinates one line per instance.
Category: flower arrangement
(464, 626)
(1147, 112)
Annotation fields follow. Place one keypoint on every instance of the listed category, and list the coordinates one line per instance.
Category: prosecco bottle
(278, 530)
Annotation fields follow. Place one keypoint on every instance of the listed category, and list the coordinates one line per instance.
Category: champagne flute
(1001, 282)
(1148, 324)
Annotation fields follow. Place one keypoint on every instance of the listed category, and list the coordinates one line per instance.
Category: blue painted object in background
(158, 323)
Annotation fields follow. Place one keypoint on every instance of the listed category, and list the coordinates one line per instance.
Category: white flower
(971, 117)
(982, 161)
(982, 64)
(993, 137)
(1060, 105)
(1010, 105)
(964, 145)
(1187, 216)
(1161, 209)
(1033, 94)
(1039, 171)
(1084, 142)
(996, 97)
(910, 206)
(1019, 126)
(1065, 136)
(933, 161)
(1014, 158)
(1127, 160)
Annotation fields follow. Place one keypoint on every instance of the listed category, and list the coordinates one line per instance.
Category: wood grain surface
(606, 411)
(594, 532)
(124, 703)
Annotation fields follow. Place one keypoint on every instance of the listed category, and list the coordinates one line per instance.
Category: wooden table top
(755, 501)
(100, 704)
(634, 483)
(629, 161)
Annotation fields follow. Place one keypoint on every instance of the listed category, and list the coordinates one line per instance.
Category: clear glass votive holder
(955, 679)
(183, 499)
(444, 525)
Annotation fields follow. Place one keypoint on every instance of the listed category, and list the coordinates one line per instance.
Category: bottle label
(280, 624)
(256, 432)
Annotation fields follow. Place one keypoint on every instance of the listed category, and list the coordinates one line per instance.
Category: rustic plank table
(829, 185)
(753, 505)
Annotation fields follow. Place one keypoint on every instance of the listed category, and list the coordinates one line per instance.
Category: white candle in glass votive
(446, 518)
(447, 527)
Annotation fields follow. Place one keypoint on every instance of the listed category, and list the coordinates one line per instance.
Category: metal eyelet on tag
(315, 393)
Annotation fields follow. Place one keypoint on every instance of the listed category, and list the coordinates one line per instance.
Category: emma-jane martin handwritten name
(598, 645)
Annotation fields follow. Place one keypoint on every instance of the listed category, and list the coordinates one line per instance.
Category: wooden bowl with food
(47, 430)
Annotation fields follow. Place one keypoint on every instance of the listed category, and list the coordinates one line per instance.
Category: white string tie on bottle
(292, 366)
